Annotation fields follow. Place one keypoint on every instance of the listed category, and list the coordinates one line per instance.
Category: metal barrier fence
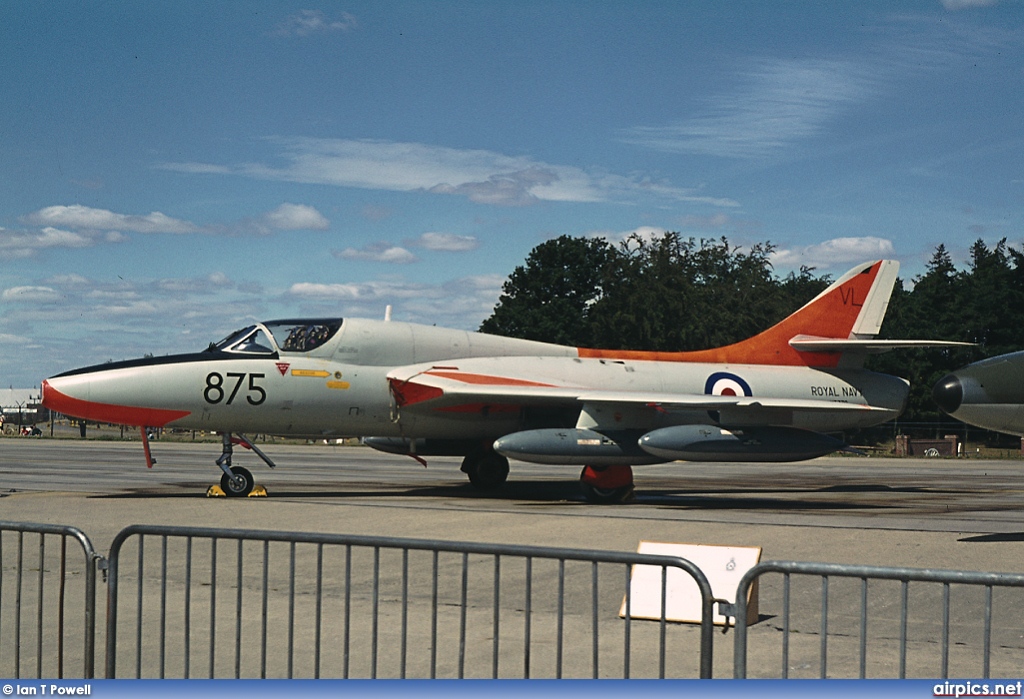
(231, 603)
(910, 631)
(217, 602)
(38, 586)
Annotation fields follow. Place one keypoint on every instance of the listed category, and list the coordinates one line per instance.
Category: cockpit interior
(303, 335)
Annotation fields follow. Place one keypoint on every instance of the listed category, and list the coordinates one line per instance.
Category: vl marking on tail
(850, 298)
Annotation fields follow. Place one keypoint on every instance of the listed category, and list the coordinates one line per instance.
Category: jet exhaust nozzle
(949, 393)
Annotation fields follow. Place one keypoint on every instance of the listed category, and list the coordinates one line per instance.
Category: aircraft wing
(445, 389)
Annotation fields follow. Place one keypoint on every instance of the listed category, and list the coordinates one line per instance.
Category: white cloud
(83, 226)
(84, 217)
(328, 291)
(774, 103)
(647, 233)
(307, 22)
(967, 4)
(25, 244)
(714, 222)
(30, 294)
(8, 339)
(460, 303)
(835, 251)
(481, 176)
(77, 321)
(201, 168)
(294, 217)
(136, 309)
(68, 280)
(445, 242)
(122, 294)
(378, 252)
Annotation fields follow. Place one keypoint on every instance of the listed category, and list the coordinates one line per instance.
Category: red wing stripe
(410, 392)
(107, 412)
(485, 380)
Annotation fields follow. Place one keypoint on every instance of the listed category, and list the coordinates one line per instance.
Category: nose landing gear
(237, 481)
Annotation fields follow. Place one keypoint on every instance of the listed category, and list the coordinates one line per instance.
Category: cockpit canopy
(303, 335)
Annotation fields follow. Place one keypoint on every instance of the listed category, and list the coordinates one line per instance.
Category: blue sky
(173, 171)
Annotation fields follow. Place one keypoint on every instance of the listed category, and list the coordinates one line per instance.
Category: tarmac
(959, 514)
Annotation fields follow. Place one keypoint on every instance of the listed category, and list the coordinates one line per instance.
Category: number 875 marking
(214, 392)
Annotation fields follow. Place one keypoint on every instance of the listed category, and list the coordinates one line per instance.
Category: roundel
(722, 383)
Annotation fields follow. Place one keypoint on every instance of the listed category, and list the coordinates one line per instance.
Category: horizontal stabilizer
(808, 343)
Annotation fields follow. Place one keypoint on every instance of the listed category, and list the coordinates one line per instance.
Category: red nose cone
(59, 402)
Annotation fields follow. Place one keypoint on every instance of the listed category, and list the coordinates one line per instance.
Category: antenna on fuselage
(387, 313)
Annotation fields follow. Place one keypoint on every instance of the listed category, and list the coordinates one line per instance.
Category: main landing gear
(486, 470)
(237, 482)
(607, 485)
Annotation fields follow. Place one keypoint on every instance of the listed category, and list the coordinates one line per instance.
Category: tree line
(674, 293)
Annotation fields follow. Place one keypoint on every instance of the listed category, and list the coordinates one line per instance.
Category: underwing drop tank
(575, 446)
(712, 443)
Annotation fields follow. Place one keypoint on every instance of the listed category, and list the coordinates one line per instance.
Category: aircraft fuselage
(342, 388)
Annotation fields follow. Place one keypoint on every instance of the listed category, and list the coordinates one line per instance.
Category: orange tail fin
(852, 308)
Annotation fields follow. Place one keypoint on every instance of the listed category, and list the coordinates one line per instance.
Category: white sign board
(724, 566)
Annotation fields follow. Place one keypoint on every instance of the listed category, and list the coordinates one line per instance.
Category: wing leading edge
(447, 389)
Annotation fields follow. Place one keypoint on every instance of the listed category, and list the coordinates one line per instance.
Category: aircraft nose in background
(949, 393)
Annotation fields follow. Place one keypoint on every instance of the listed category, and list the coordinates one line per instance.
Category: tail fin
(842, 318)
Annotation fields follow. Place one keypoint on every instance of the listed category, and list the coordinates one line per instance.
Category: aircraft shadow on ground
(994, 538)
(565, 493)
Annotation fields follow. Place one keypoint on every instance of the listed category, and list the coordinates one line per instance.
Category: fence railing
(240, 603)
(900, 625)
(42, 590)
(186, 602)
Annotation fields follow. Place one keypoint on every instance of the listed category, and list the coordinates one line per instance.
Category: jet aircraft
(986, 394)
(426, 391)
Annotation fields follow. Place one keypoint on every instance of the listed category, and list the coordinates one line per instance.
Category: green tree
(926, 311)
(549, 297)
(670, 293)
(676, 293)
(992, 300)
(983, 304)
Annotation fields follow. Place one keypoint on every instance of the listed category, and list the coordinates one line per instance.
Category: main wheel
(487, 471)
(609, 485)
(607, 496)
(234, 488)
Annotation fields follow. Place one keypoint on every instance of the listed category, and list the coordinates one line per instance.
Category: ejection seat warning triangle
(724, 566)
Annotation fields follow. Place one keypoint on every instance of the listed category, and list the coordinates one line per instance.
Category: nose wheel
(238, 482)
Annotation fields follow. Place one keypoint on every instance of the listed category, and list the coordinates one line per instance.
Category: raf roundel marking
(723, 383)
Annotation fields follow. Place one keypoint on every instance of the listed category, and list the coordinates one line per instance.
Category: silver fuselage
(342, 388)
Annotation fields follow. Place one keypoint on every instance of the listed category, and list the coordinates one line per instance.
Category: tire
(607, 496)
(231, 489)
(607, 485)
(486, 471)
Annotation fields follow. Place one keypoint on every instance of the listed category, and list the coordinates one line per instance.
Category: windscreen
(250, 340)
